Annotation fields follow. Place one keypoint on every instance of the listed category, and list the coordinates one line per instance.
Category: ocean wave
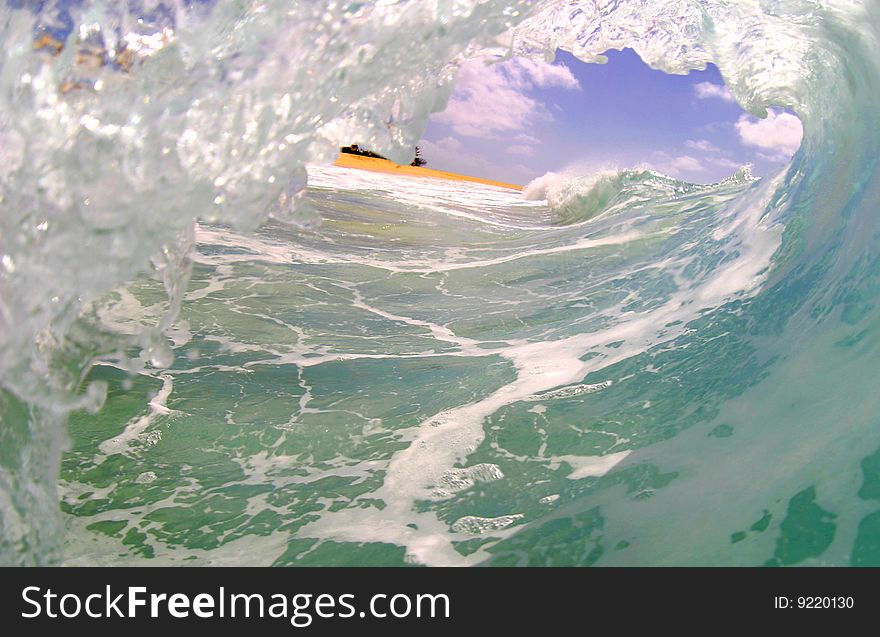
(574, 199)
(121, 125)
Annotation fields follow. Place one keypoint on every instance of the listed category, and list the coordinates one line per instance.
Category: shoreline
(346, 160)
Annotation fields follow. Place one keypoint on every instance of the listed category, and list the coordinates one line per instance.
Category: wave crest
(574, 199)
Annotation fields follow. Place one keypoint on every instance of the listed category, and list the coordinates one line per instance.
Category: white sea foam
(135, 429)
(472, 525)
(590, 467)
(461, 479)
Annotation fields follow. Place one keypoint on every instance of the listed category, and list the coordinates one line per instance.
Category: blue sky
(518, 119)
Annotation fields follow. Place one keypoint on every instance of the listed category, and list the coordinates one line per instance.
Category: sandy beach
(347, 160)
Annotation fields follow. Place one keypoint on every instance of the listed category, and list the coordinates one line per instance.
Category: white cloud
(773, 157)
(493, 100)
(686, 163)
(723, 162)
(521, 149)
(523, 138)
(525, 73)
(707, 90)
(703, 145)
(451, 154)
(680, 167)
(710, 154)
(778, 136)
(446, 147)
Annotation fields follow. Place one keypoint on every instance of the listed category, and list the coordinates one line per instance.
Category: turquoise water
(614, 369)
(468, 381)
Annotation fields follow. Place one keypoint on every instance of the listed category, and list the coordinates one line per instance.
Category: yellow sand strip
(347, 160)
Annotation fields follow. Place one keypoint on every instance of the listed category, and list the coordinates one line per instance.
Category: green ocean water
(307, 363)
